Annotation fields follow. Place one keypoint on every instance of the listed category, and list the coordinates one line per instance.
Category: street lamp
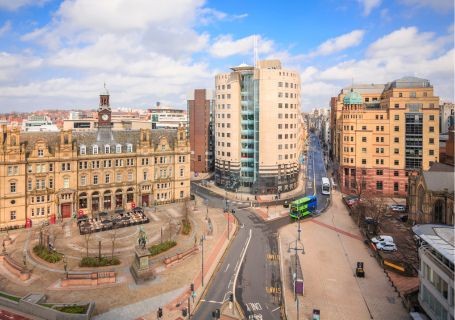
(296, 249)
(202, 260)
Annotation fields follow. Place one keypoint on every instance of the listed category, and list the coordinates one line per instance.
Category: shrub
(161, 247)
(49, 256)
(186, 229)
(95, 262)
(9, 296)
(72, 309)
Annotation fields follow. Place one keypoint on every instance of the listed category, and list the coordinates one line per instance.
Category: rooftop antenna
(255, 48)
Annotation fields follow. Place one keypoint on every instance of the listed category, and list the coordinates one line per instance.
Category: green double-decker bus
(303, 207)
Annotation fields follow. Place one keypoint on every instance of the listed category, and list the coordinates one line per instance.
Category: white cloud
(225, 46)
(16, 4)
(5, 28)
(441, 6)
(369, 5)
(351, 39)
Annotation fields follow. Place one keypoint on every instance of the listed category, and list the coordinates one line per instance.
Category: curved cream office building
(258, 128)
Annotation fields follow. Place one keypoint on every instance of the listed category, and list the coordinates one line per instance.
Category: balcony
(247, 131)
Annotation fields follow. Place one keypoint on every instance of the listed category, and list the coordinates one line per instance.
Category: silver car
(386, 246)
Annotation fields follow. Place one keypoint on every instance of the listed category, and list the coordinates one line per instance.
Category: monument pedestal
(140, 269)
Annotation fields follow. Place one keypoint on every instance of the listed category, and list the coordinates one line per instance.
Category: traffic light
(160, 312)
(231, 297)
(192, 287)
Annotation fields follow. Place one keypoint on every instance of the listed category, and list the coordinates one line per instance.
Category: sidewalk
(333, 244)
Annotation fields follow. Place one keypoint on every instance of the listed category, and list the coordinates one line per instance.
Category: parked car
(382, 239)
(398, 208)
(386, 246)
(351, 200)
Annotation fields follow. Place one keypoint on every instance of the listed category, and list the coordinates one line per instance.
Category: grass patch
(10, 297)
(95, 262)
(72, 309)
(186, 227)
(161, 247)
(49, 256)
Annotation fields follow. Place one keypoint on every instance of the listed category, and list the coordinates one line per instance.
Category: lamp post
(202, 260)
(299, 230)
(296, 249)
(65, 266)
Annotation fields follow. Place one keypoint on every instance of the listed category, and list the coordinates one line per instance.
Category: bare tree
(113, 238)
(87, 237)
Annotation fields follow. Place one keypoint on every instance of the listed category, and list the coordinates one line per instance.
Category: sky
(58, 54)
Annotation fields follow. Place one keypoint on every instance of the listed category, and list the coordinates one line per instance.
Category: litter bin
(359, 271)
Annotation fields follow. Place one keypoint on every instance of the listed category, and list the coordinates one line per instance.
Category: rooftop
(409, 82)
(440, 237)
(439, 181)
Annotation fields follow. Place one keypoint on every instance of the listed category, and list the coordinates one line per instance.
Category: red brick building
(200, 109)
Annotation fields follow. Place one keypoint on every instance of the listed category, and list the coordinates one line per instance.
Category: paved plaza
(333, 245)
(124, 299)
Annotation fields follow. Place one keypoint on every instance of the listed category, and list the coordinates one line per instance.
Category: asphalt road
(256, 276)
(315, 171)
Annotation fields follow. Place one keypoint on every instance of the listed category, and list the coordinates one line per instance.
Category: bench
(89, 279)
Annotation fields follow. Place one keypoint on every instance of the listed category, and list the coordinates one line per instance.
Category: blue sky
(58, 54)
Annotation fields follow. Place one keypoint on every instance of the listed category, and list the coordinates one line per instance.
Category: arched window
(82, 149)
(438, 212)
(83, 201)
(107, 200)
(95, 149)
(130, 195)
(420, 198)
(118, 198)
(95, 201)
(118, 148)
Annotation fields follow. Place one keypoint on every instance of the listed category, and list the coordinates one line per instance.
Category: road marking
(211, 301)
(273, 257)
(254, 306)
(273, 289)
(241, 259)
(227, 267)
(276, 309)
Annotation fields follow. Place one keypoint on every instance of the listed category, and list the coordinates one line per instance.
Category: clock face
(104, 117)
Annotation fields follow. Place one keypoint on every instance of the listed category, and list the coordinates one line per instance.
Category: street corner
(270, 213)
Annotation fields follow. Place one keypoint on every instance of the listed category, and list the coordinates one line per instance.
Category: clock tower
(104, 110)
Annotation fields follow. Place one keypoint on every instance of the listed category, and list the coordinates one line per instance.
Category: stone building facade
(431, 195)
(51, 175)
(383, 132)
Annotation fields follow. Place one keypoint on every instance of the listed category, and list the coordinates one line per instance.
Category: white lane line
(276, 309)
(211, 301)
(227, 267)
(241, 259)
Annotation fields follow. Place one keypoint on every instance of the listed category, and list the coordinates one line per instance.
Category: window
(397, 117)
(12, 215)
(364, 161)
(396, 139)
(431, 129)
(396, 128)
(29, 185)
(118, 177)
(51, 167)
(396, 162)
(83, 180)
(95, 149)
(364, 150)
(364, 139)
(396, 173)
(181, 172)
(431, 117)
(396, 187)
(145, 175)
(40, 153)
(82, 149)
(51, 183)
(400, 95)
(379, 172)
(130, 176)
(364, 127)
(129, 147)
(378, 185)
(118, 148)
(397, 105)
(66, 182)
(431, 152)
(12, 187)
(396, 151)
(107, 178)
(95, 179)
(107, 148)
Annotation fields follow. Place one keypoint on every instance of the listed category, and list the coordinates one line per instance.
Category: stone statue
(142, 238)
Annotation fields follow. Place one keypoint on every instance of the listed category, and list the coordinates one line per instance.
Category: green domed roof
(353, 98)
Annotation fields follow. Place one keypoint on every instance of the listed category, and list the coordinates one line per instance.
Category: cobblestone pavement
(125, 298)
(333, 245)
